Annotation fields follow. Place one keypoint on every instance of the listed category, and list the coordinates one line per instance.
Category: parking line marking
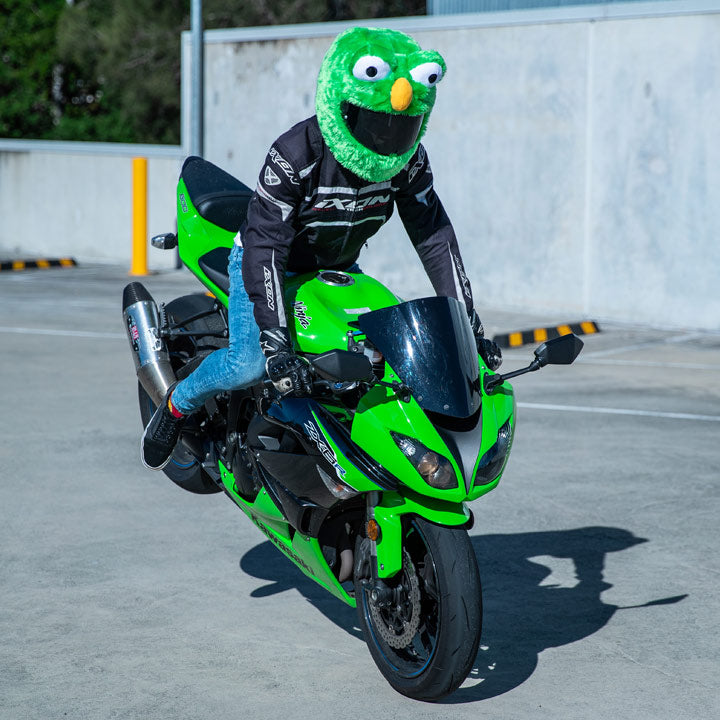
(619, 411)
(60, 333)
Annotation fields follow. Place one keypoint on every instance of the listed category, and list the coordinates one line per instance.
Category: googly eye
(371, 67)
(427, 74)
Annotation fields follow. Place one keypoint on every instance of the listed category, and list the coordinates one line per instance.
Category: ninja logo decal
(325, 450)
(351, 205)
(301, 314)
(284, 165)
(267, 276)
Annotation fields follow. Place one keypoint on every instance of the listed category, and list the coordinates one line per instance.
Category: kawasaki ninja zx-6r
(363, 485)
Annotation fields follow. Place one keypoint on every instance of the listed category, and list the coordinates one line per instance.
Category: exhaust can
(142, 322)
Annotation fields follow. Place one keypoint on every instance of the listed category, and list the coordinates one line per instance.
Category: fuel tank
(324, 303)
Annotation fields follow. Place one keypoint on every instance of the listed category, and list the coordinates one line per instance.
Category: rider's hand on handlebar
(290, 374)
(488, 350)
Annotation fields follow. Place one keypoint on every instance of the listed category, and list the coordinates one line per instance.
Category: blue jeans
(239, 365)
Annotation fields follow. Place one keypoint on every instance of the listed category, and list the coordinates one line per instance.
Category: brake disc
(393, 624)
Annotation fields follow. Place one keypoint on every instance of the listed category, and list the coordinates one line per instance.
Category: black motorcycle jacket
(309, 212)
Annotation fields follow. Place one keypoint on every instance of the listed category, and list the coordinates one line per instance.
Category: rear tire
(440, 615)
(184, 468)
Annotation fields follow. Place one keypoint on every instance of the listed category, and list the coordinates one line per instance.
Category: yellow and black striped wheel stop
(538, 335)
(41, 264)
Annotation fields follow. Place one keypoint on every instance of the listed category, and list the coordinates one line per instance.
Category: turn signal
(372, 530)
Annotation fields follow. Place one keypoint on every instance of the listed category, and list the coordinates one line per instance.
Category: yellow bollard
(138, 260)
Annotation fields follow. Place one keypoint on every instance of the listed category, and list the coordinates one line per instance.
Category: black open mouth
(383, 133)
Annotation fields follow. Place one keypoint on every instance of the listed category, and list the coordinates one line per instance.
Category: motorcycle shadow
(266, 563)
(540, 590)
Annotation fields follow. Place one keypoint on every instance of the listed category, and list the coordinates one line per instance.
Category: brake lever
(320, 387)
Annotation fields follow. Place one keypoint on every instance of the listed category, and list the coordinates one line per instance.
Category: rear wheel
(185, 468)
(424, 637)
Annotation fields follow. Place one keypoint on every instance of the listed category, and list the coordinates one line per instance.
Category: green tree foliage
(109, 70)
(127, 60)
(27, 61)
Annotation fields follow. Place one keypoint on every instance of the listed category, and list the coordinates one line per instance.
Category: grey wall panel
(577, 157)
(451, 7)
(54, 205)
(655, 200)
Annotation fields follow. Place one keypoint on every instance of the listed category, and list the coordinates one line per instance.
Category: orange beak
(401, 94)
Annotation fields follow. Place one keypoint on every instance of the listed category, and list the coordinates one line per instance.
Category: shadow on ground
(526, 607)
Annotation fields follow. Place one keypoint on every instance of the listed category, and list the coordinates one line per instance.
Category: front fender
(389, 513)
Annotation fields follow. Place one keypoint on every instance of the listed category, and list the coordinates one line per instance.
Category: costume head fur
(375, 91)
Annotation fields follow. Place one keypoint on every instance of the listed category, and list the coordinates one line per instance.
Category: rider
(327, 185)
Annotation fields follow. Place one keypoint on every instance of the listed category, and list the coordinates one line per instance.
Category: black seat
(219, 197)
(215, 265)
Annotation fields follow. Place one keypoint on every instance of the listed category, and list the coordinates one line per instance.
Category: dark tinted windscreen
(430, 345)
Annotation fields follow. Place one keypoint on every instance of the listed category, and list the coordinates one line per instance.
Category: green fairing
(337, 85)
(322, 314)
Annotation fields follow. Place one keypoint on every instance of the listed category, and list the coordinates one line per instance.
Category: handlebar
(319, 387)
(325, 387)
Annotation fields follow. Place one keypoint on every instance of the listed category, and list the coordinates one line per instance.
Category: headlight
(492, 463)
(436, 470)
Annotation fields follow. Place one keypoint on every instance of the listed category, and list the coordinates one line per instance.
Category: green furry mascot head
(375, 91)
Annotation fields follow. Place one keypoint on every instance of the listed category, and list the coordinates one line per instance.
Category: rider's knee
(244, 369)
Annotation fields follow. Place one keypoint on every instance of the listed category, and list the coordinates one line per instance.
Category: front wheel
(424, 635)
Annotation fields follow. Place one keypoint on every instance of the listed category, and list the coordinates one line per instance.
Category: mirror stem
(493, 381)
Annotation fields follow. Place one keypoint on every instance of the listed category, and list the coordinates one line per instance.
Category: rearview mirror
(559, 351)
(343, 366)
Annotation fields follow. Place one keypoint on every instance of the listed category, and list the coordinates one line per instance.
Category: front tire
(426, 641)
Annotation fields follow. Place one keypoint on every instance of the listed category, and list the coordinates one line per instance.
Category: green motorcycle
(364, 485)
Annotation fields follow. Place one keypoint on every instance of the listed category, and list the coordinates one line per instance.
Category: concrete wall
(61, 199)
(576, 151)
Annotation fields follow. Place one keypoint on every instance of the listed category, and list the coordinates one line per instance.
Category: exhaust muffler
(152, 361)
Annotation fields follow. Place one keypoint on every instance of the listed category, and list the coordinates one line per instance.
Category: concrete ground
(121, 596)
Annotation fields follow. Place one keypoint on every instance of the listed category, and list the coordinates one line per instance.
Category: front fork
(380, 553)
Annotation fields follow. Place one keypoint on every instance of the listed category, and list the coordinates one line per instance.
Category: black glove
(289, 372)
(487, 349)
